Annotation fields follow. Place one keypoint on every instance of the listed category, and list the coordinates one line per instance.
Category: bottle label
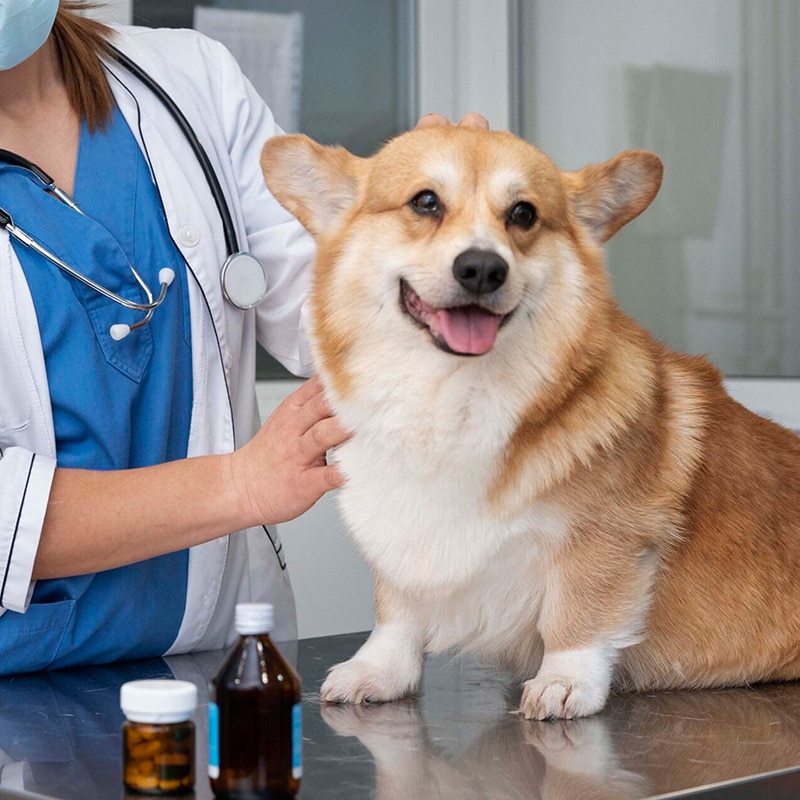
(297, 741)
(213, 740)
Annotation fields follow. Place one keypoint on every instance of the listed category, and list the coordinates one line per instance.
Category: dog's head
(453, 238)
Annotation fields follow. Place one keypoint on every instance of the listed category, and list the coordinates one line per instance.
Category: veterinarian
(128, 463)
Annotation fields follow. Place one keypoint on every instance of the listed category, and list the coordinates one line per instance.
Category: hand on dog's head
(470, 120)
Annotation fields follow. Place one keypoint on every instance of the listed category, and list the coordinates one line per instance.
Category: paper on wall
(269, 49)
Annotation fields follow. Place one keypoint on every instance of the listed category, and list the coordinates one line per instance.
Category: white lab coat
(232, 123)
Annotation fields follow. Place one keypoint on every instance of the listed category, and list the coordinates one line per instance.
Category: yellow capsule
(147, 767)
(148, 782)
(145, 750)
(172, 759)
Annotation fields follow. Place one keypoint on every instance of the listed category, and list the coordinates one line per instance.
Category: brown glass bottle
(255, 739)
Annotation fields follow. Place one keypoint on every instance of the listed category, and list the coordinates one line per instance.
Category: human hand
(281, 472)
(470, 120)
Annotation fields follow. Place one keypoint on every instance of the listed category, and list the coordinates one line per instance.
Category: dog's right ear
(317, 184)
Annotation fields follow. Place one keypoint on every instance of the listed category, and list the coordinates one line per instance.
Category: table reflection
(60, 736)
(639, 747)
(60, 732)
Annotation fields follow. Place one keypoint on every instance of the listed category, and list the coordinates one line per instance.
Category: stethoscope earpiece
(166, 276)
(119, 331)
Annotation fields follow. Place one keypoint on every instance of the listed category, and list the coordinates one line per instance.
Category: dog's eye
(523, 215)
(426, 202)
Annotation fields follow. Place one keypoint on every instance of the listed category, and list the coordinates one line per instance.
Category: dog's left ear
(315, 183)
(607, 196)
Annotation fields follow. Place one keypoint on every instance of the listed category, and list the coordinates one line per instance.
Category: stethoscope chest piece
(244, 280)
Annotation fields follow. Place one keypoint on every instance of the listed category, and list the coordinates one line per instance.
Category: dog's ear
(315, 183)
(607, 196)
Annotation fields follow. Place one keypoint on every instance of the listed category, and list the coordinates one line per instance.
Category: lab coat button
(189, 235)
(228, 359)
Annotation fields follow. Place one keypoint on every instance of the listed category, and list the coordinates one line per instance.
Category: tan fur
(681, 509)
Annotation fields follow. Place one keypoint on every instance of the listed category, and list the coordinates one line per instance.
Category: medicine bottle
(158, 736)
(254, 715)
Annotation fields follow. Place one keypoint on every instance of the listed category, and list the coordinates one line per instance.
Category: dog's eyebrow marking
(443, 173)
(506, 183)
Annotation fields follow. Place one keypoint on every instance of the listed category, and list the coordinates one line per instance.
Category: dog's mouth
(465, 330)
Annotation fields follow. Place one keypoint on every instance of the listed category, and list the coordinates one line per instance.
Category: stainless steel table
(60, 738)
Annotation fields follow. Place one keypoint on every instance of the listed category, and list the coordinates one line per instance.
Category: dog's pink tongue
(469, 329)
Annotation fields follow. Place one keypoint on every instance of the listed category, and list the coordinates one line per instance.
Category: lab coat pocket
(15, 407)
(29, 642)
(15, 401)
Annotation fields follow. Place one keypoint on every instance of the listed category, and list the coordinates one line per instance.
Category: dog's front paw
(360, 681)
(560, 697)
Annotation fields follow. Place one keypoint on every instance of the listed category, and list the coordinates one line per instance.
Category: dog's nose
(480, 271)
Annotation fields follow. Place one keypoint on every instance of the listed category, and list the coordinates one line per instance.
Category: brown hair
(80, 43)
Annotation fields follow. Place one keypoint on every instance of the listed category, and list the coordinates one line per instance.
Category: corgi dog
(532, 476)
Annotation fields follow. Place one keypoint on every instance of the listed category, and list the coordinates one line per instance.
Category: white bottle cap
(254, 618)
(158, 701)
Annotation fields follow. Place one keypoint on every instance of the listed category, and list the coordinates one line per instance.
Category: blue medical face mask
(24, 28)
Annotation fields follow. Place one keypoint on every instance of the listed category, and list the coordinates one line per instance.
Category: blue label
(213, 740)
(297, 740)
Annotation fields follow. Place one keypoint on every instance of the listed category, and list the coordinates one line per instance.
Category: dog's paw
(560, 697)
(360, 681)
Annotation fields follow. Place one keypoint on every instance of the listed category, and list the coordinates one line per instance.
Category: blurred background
(712, 268)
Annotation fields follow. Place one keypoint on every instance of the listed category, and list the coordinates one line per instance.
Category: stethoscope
(243, 277)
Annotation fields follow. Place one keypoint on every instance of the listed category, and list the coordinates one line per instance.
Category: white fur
(505, 184)
(443, 173)
(570, 683)
(387, 666)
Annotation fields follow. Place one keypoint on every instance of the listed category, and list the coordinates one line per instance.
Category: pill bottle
(254, 715)
(158, 736)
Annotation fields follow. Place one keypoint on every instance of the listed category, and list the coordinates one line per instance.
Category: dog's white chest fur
(416, 503)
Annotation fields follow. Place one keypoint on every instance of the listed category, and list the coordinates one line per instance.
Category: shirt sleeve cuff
(25, 481)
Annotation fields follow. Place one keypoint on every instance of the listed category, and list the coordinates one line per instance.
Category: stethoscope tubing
(229, 229)
(49, 184)
(237, 259)
(151, 303)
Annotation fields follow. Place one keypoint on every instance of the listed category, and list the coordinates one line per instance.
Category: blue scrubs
(116, 405)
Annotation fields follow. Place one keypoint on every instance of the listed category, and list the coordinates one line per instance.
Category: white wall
(463, 59)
